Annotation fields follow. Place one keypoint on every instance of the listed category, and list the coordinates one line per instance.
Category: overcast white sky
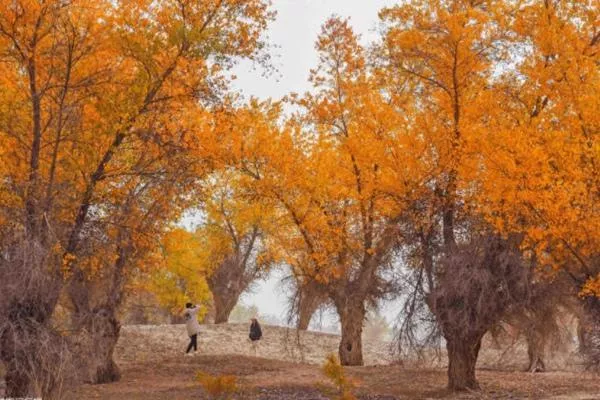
(294, 33)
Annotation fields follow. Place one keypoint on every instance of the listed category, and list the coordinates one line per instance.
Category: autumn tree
(233, 236)
(93, 97)
(540, 174)
(448, 51)
(321, 171)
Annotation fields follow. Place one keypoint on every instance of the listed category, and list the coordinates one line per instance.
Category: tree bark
(228, 282)
(99, 333)
(311, 297)
(536, 347)
(104, 329)
(306, 309)
(209, 316)
(352, 316)
(462, 358)
(589, 333)
(99, 328)
(224, 303)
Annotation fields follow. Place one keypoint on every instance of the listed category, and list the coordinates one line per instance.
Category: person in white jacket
(192, 325)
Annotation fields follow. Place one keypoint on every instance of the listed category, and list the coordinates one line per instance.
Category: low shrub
(344, 386)
(218, 387)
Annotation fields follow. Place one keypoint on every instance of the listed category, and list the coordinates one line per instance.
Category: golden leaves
(179, 272)
(107, 121)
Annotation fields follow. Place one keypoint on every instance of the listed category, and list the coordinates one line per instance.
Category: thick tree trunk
(462, 358)
(475, 287)
(536, 346)
(305, 313)
(209, 316)
(352, 316)
(234, 274)
(311, 297)
(104, 329)
(226, 284)
(99, 333)
(589, 333)
(224, 303)
(99, 330)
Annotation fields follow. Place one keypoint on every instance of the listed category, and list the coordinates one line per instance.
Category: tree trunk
(103, 329)
(234, 274)
(209, 316)
(311, 297)
(589, 333)
(99, 330)
(536, 350)
(462, 358)
(305, 313)
(352, 316)
(224, 303)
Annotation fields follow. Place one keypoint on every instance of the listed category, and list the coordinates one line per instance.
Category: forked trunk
(462, 358)
(535, 351)
(352, 317)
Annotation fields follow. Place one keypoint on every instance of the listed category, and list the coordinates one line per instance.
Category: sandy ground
(286, 366)
(155, 342)
(173, 379)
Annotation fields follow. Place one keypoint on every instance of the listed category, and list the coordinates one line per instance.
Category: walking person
(192, 326)
(255, 333)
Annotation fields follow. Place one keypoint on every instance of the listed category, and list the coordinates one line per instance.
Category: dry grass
(173, 379)
(154, 368)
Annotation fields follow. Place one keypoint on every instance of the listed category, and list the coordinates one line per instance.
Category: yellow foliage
(220, 387)
(103, 136)
(591, 287)
(344, 386)
(178, 275)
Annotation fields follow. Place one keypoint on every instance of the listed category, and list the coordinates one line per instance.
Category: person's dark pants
(193, 343)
